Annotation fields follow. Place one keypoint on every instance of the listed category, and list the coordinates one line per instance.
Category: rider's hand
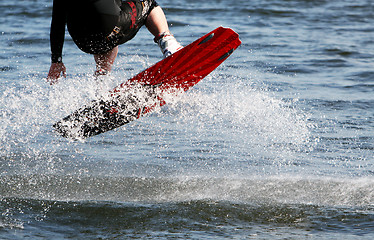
(55, 72)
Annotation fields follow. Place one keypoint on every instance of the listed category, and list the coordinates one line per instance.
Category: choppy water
(276, 144)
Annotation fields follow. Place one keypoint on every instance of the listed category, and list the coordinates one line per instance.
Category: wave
(262, 190)
(184, 208)
(201, 218)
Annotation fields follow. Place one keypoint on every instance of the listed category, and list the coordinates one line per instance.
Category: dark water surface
(277, 143)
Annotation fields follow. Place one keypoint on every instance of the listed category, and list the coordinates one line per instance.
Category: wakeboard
(148, 89)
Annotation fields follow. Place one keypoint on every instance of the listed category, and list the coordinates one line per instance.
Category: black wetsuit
(97, 26)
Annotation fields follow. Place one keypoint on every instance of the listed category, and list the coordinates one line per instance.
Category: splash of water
(232, 122)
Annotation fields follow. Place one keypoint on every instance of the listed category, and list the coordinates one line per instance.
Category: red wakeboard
(147, 90)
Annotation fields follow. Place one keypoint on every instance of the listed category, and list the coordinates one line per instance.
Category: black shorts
(97, 26)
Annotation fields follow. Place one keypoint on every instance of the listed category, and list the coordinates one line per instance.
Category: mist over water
(275, 143)
(204, 121)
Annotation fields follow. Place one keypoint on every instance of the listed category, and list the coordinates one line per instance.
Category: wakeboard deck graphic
(147, 90)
